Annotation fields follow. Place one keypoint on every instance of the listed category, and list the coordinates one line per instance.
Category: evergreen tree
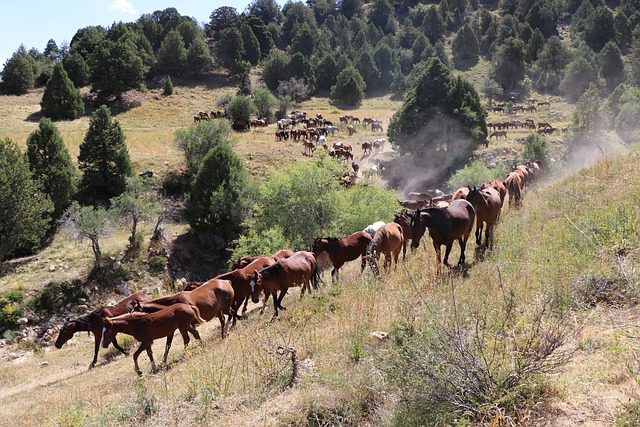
(275, 69)
(349, 88)
(220, 19)
(61, 99)
(51, 51)
(508, 64)
(172, 56)
(168, 87)
(634, 73)
(250, 44)
(199, 60)
(580, 73)
(433, 26)
(103, 159)
(366, 66)
(117, 67)
(230, 48)
(218, 202)
(440, 122)
(535, 44)
(465, 48)
(587, 117)
(261, 32)
(327, 71)
(24, 209)
(599, 28)
(19, 72)
(51, 165)
(386, 63)
(300, 67)
(623, 30)
(196, 141)
(267, 10)
(552, 60)
(77, 69)
(611, 65)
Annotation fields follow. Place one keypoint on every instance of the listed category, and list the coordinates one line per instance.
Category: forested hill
(548, 46)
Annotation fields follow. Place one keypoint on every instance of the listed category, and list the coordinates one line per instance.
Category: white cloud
(123, 6)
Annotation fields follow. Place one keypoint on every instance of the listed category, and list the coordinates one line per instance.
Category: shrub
(10, 309)
(55, 296)
(157, 264)
(168, 87)
(476, 173)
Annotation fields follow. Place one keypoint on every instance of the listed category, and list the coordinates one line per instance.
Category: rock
(22, 321)
(380, 335)
(52, 267)
(44, 364)
(83, 307)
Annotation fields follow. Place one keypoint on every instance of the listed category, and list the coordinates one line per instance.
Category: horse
(343, 250)
(499, 186)
(460, 193)
(309, 147)
(350, 130)
(376, 127)
(388, 240)
(372, 228)
(445, 225)
(487, 205)
(498, 133)
(366, 146)
(213, 299)
(298, 269)
(148, 327)
(355, 166)
(240, 279)
(514, 185)
(404, 219)
(94, 323)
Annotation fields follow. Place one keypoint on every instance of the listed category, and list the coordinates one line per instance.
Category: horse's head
(66, 333)
(108, 333)
(417, 228)
(256, 286)
(318, 245)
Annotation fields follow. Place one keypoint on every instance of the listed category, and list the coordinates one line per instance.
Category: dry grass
(243, 379)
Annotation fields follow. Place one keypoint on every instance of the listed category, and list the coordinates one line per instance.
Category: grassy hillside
(563, 268)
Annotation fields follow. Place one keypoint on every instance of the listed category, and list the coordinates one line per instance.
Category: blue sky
(33, 24)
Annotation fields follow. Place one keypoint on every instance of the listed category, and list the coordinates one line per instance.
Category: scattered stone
(52, 267)
(380, 335)
(22, 321)
(44, 364)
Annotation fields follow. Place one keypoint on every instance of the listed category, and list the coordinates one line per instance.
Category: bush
(55, 296)
(157, 264)
(168, 87)
(10, 309)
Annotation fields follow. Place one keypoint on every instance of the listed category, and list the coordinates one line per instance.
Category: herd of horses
(450, 220)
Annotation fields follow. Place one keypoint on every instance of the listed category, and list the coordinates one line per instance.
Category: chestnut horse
(298, 269)
(240, 280)
(388, 240)
(213, 299)
(148, 327)
(94, 323)
(342, 250)
(514, 185)
(445, 225)
(404, 219)
(487, 205)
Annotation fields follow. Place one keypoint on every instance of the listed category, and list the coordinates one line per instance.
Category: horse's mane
(84, 322)
(268, 269)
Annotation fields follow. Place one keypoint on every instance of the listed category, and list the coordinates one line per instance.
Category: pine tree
(103, 159)
(349, 87)
(61, 99)
(24, 209)
(611, 65)
(250, 44)
(77, 69)
(51, 164)
(172, 56)
(199, 59)
(218, 201)
(168, 87)
(19, 72)
(117, 68)
(465, 47)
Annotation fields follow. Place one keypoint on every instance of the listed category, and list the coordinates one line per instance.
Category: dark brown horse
(487, 205)
(404, 219)
(148, 327)
(388, 240)
(298, 270)
(240, 280)
(244, 261)
(343, 250)
(94, 323)
(213, 299)
(445, 225)
(514, 188)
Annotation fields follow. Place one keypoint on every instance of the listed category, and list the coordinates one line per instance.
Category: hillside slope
(575, 244)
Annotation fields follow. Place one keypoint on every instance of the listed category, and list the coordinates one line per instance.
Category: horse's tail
(197, 316)
(315, 276)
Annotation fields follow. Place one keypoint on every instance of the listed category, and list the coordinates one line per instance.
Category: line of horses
(223, 296)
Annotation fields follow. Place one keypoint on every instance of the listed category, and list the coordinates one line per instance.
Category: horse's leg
(447, 252)
(135, 358)
(222, 325)
(154, 368)
(194, 332)
(275, 304)
(115, 344)
(244, 308)
(167, 346)
(479, 226)
(488, 235)
(463, 244)
(98, 338)
(264, 301)
(282, 294)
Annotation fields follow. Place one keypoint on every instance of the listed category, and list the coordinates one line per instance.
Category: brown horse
(148, 327)
(388, 240)
(404, 219)
(240, 280)
(445, 225)
(298, 269)
(461, 193)
(342, 250)
(487, 205)
(499, 186)
(213, 299)
(514, 185)
(94, 323)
